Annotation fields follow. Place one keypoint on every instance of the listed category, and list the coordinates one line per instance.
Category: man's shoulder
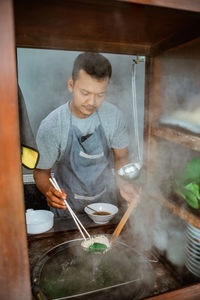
(114, 125)
(56, 114)
(108, 107)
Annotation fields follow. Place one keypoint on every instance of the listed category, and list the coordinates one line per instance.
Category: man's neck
(76, 113)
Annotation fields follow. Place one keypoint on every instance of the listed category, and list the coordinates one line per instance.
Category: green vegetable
(97, 247)
(187, 185)
(191, 173)
(190, 193)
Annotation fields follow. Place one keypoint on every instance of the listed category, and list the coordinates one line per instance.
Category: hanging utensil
(124, 219)
(132, 170)
(129, 171)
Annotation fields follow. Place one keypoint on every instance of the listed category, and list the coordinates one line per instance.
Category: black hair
(94, 64)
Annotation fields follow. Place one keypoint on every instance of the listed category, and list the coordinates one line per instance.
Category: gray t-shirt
(53, 131)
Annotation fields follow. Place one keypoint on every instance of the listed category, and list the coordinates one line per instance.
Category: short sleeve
(47, 140)
(120, 137)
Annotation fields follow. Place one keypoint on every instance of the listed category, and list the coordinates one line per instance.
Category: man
(80, 138)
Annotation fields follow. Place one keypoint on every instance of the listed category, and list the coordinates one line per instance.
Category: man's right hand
(55, 198)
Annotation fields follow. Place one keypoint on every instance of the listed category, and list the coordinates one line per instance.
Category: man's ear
(70, 84)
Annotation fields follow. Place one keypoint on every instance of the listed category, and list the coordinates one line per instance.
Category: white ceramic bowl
(192, 269)
(193, 231)
(193, 250)
(38, 221)
(101, 207)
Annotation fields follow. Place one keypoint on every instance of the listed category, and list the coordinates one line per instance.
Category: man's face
(88, 93)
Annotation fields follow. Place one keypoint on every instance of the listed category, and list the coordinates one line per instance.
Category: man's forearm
(42, 180)
(121, 158)
(54, 198)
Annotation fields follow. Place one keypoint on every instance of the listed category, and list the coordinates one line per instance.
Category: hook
(136, 61)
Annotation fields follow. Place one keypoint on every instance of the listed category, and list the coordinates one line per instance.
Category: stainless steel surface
(130, 171)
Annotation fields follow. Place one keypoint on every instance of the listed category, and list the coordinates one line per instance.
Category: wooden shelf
(178, 136)
(182, 211)
(77, 25)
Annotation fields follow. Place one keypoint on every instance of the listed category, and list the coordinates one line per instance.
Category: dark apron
(84, 170)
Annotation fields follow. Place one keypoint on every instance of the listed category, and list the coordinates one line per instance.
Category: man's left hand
(129, 192)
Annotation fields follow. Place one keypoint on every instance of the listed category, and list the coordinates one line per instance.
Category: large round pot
(69, 272)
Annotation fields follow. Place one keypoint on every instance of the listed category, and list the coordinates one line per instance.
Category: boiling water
(74, 271)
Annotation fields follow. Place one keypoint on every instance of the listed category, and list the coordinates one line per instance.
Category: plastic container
(38, 221)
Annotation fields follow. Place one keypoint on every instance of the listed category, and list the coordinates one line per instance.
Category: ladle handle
(92, 209)
(124, 219)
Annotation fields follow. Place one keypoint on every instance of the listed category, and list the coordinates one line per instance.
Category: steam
(187, 116)
(152, 225)
(75, 271)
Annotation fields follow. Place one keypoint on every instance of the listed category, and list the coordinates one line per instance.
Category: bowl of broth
(101, 213)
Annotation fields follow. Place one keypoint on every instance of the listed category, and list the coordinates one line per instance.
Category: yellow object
(39, 297)
(29, 157)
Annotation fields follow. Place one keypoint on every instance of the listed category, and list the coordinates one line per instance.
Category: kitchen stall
(166, 221)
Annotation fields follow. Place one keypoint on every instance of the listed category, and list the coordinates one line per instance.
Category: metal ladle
(129, 171)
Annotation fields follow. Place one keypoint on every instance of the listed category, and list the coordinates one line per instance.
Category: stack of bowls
(193, 250)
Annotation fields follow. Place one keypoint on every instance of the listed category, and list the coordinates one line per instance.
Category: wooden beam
(14, 267)
(86, 45)
(183, 212)
(191, 5)
(177, 135)
(191, 292)
(187, 33)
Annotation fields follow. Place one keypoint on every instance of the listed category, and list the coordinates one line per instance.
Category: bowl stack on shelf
(193, 250)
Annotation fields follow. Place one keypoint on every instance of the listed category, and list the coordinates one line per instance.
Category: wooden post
(14, 266)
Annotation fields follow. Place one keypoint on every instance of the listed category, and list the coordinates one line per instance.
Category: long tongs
(75, 218)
